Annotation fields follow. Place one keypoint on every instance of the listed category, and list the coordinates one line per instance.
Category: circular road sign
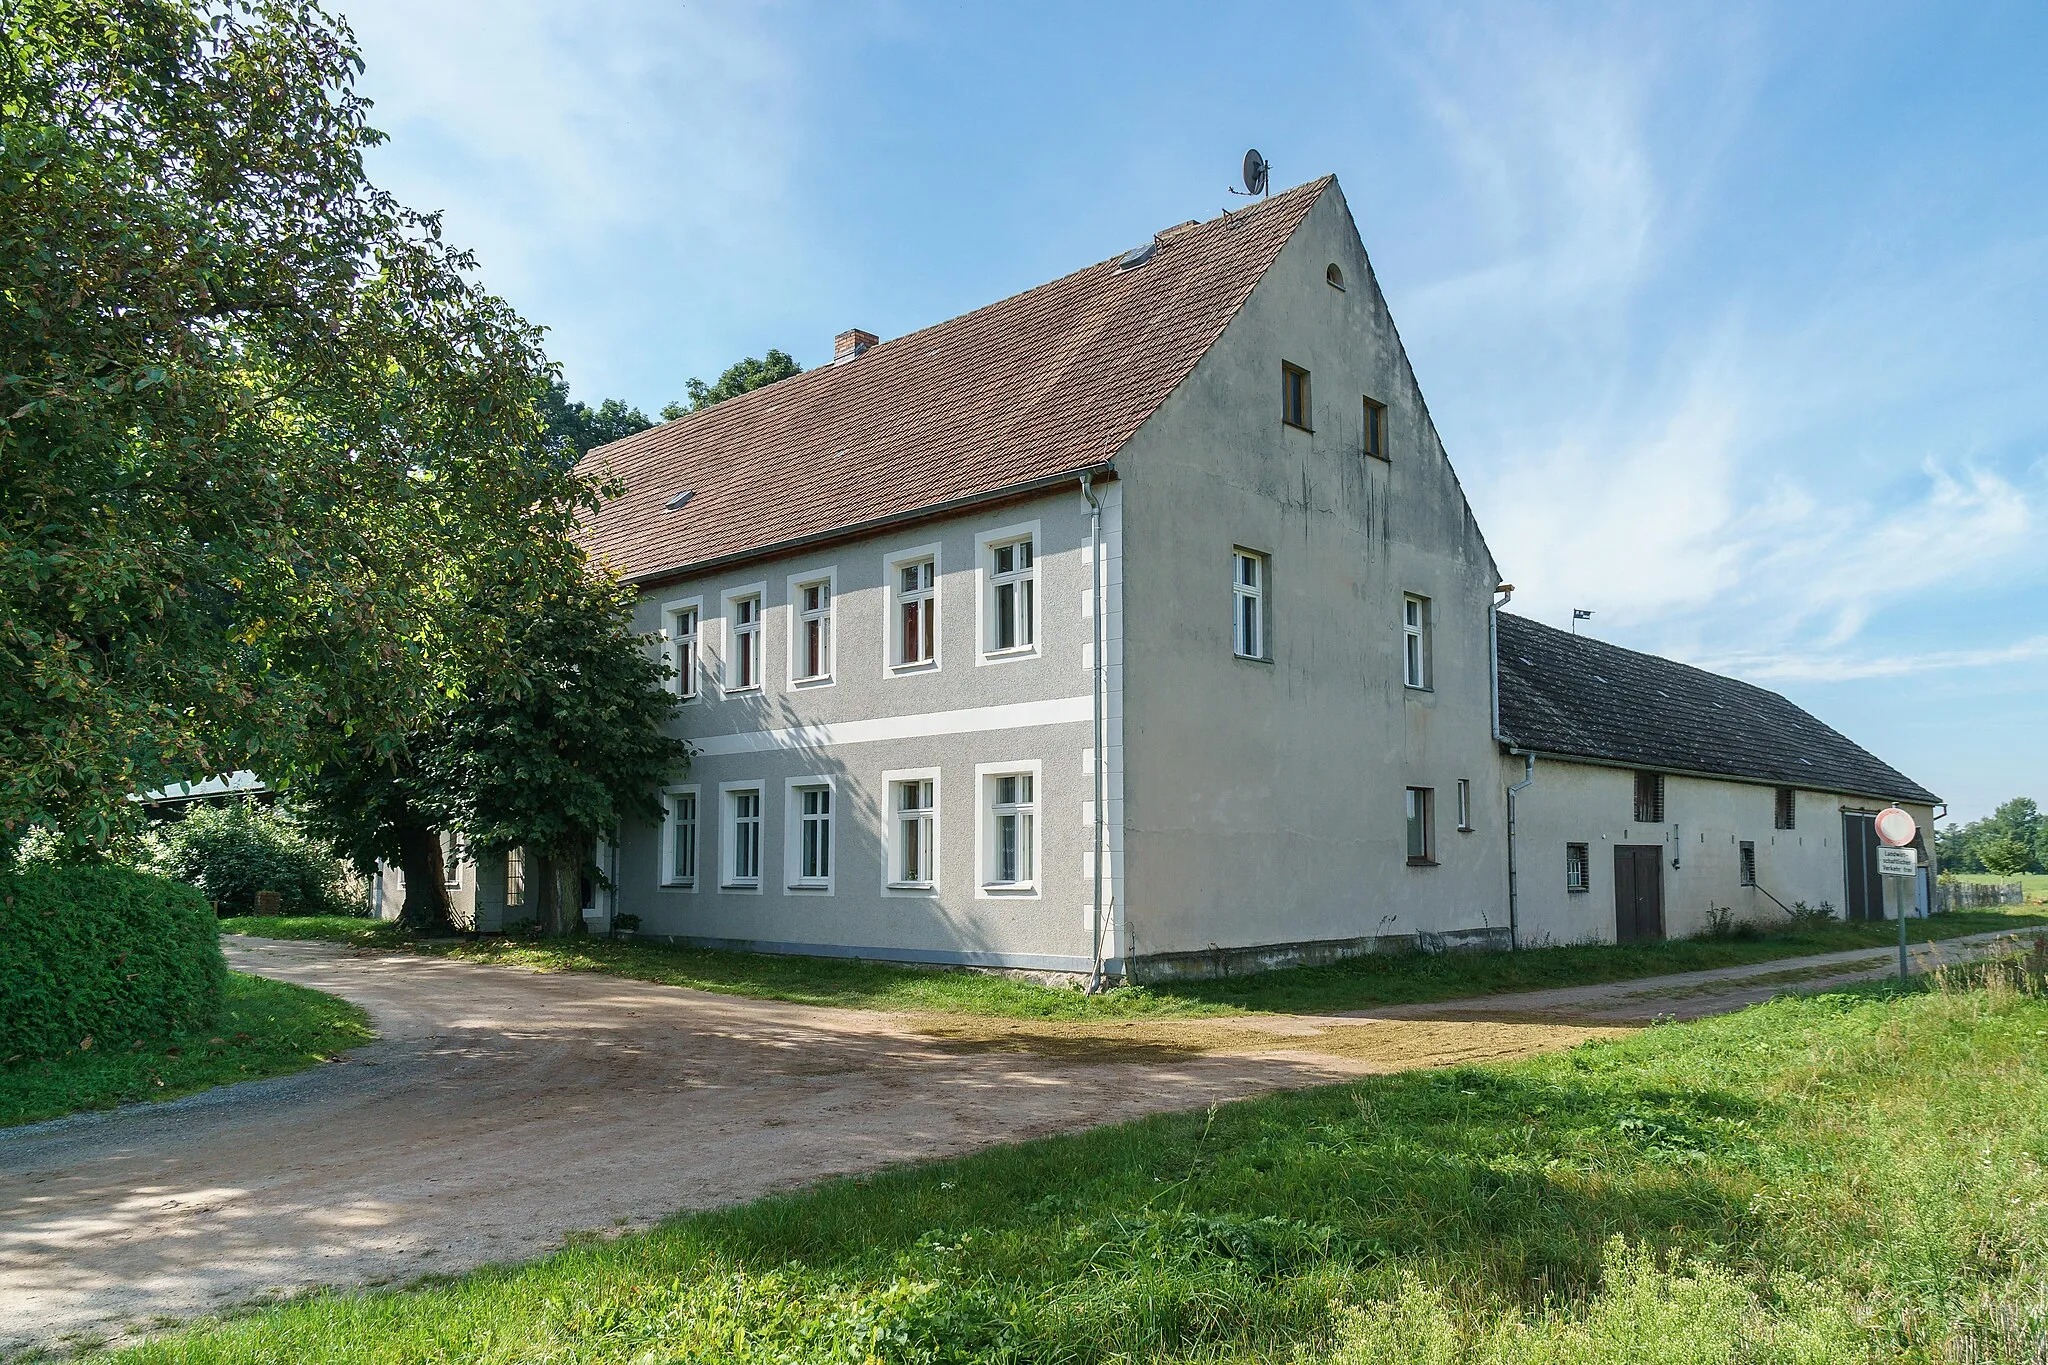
(1895, 827)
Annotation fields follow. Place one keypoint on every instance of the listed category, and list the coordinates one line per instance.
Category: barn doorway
(1638, 893)
(1862, 888)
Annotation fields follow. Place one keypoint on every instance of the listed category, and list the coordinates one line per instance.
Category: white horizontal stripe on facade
(971, 720)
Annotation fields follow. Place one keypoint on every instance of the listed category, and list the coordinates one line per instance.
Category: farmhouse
(1137, 624)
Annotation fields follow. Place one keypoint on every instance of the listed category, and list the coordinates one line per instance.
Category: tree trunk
(426, 882)
(559, 875)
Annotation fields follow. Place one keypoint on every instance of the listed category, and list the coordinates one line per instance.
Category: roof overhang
(1508, 745)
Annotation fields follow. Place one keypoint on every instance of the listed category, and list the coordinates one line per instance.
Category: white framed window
(1009, 597)
(679, 838)
(913, 863)
(740, 841)
(1578, 875)
(452, 853)
(1010, 796)
(1421, 814)
(809, 852)
(1248, 602)
(811, 627)
(1415, 641)
(743, 636)
(681, 630)
(1465, 805)
(912, 579)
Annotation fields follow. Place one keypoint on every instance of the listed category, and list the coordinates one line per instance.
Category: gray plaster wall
(1707, 820)
(872, 720)
(1265, 800)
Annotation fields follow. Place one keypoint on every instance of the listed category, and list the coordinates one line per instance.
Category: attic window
(675, 504)
(1334, 276)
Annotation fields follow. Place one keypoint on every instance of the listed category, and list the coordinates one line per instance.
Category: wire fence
(1954, 895)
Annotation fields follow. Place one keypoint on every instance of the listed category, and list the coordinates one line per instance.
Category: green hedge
(103, 953)
(235, 849)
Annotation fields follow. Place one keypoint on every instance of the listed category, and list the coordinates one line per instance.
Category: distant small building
(1661, 792)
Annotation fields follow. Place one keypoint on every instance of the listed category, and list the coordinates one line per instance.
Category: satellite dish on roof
(1257, 171)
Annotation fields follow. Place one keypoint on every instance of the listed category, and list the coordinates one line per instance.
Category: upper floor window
(743, 665)
(1650, 798)
(813, 636)
(1788, 808)
(1334, 275)
(1376, 430)
(917, 612)
(1415, 641)
(1248, 599)
(1294, 397)
(1012, 587)
(680, 629)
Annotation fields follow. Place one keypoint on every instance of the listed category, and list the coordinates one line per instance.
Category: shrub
(1805, 917)
(234, 850)
(94, 955)
(1722, 925)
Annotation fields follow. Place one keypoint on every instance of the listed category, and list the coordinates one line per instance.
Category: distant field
(2036, 883)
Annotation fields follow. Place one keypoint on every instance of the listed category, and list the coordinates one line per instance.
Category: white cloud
(1847, 668)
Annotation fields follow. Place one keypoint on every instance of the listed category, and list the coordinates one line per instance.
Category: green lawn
(1354, 984)
(267, 1028)
(1849, 1177)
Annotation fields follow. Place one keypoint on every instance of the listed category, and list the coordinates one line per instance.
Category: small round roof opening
(1335, 276)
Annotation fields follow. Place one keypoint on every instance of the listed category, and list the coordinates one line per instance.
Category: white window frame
(1417, 668)
(793, 831)
(453, 851)
(728, 605)
(1464, 805)
(893, 565)
(892, 782)
(985, 775)
(672, 877)
(1248, 603)
(985, 546)
(684, 653)
(800, 619)
(728, 829)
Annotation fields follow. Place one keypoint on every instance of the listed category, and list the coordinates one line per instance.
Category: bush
(94, 955)
(235, 850)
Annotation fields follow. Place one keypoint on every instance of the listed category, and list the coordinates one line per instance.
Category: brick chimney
(851, 343)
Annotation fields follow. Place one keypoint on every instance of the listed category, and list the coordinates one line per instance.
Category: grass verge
(267, 1028)
(1357, 983)
(1849, 1177)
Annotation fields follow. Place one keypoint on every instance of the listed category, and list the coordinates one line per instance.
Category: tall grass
(1855, 1176)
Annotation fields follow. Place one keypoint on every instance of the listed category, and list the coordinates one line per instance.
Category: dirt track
(503, 1109)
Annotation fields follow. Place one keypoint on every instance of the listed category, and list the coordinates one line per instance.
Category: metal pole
(1898, 888)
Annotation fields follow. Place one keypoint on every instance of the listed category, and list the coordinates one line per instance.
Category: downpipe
(1507, 595)
(1101, 764)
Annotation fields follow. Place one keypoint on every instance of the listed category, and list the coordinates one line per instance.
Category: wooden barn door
(1638, 892)
(1862, 889)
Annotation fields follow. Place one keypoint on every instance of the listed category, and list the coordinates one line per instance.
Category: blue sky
(1733, 318)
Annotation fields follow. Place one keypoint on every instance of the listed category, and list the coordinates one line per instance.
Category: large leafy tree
(553, 751)
(250, 409)
(743, 376)
(574, 428)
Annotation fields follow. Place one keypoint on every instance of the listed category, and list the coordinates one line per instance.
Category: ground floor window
(1576, 874)
(680, 862)
(814, 836)
(1421, 826)
(515, 877)
(743, 837)
(1748, 863)
(916, 833)
(1013, 817)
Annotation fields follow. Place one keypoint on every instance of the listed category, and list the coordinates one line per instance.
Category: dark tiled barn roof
(1043, 384)
(1571, 695)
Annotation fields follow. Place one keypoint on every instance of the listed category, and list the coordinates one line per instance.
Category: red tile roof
(1046, 383)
